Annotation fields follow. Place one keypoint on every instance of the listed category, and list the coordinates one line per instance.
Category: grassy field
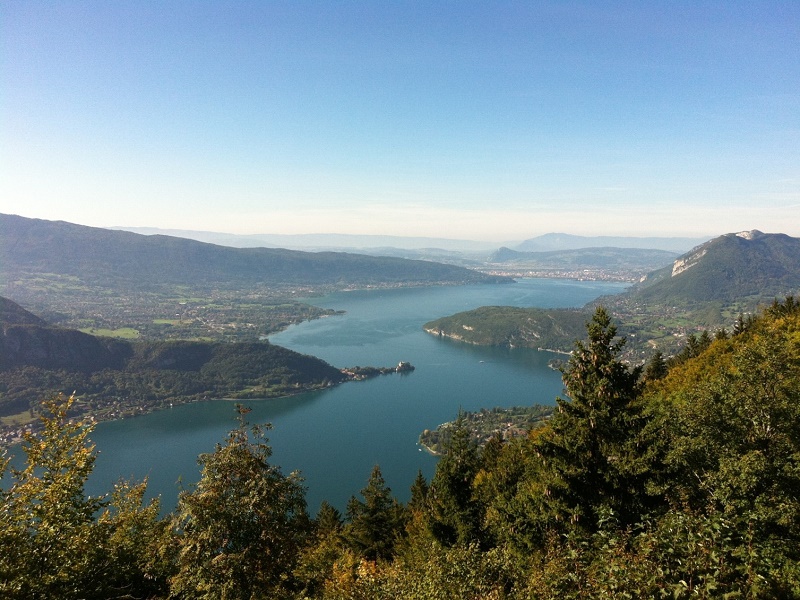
(128, 333)
(18, 419)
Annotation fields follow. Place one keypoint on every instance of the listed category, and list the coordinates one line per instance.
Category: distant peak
(750, 235)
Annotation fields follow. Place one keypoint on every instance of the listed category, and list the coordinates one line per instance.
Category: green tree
(322, 550)
(376, 522)
(736, 436)
(53, 546)
(50, 545)
(656, 367)
(730, 421)
(139, 544)
(243, 524)
(454, 511)
(513, 488)
(419, 494)
(329, 519)
(591, 447)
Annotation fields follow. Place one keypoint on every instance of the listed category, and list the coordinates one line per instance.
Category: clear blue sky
(474, 120)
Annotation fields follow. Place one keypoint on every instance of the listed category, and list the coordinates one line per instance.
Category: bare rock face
(750, 235)
(688, 261)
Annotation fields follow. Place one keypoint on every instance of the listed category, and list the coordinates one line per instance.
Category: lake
(335, 437)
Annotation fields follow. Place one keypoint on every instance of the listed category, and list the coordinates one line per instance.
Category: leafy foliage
(53, 544)
(242, 525)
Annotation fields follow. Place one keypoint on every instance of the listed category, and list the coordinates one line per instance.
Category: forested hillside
(676, 482)
(121, 377)
(553, 329)
(108, 258)
(744, 267)
(123, 284)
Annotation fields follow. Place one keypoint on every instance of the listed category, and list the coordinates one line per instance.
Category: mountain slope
(731, 268)
(12, 313)
(101, 256)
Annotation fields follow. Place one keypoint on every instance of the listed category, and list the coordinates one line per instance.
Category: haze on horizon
(472, 120)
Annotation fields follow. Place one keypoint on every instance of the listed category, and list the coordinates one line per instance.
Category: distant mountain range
(607, 258)
(386, 245)
(315, 242)
(565, 241)
(96, 256)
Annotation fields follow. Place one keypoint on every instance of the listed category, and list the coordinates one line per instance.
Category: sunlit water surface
(335, 437)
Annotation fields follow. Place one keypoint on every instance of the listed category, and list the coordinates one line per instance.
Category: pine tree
(589, 450)
(419, 493)
(656, 367)
(329, 519)
(376, 522)
(454, 516)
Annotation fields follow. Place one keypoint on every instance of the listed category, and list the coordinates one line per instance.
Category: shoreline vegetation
(550, 330)
(87, 404)
(504, 424)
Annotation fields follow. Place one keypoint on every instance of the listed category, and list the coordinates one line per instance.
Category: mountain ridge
(566, 241)
(729, 268)
(95, 255)
(373, 243)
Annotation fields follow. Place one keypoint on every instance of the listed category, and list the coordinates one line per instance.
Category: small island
(360, 373)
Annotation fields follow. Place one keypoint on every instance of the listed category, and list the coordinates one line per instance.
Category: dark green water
(335, 437)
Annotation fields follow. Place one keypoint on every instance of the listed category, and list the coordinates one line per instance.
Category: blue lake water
(335, 437)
